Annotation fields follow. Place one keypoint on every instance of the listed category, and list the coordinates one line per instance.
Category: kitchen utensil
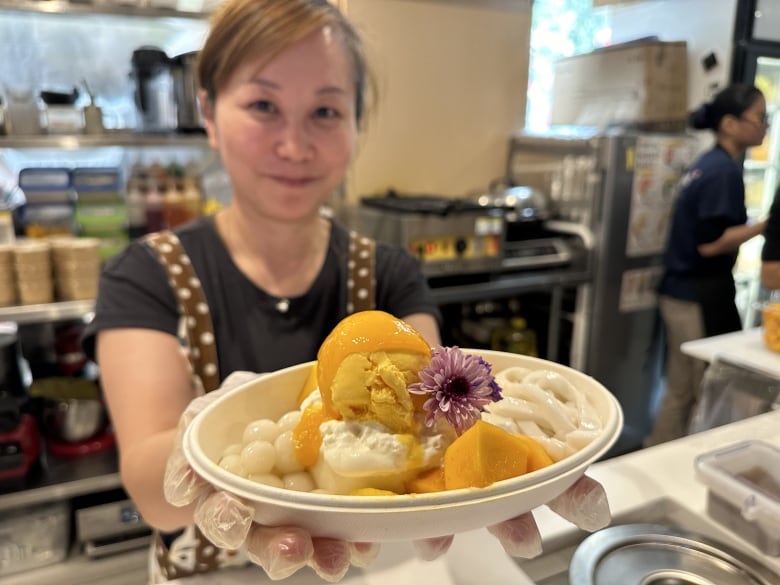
(23, 116)
(74, 420)
(384, 518)
(185, 88)
(93, 115)
(59, 98)
(152, 71)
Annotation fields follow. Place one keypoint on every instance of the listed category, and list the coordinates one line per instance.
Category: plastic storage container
(34, 537)
(743, 494)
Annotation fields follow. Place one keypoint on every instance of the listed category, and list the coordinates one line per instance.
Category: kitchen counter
(631, 481)
(741, 348)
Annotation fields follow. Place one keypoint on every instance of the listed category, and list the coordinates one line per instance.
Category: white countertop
(631, 480)
(742, 348)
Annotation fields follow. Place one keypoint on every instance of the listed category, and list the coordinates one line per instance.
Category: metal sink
(669, 528)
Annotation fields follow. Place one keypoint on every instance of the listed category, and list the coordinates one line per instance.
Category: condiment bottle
(136, 209)
(515, 338)
(155, 215)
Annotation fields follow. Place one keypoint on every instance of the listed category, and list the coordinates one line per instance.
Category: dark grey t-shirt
(251, 334)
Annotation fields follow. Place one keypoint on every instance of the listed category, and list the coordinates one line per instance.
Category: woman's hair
(733, 100)
(262, 29)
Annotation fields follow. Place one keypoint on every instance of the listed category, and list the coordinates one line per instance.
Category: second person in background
(710, 223)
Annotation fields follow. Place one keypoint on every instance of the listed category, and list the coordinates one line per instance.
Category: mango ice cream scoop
(365, 366)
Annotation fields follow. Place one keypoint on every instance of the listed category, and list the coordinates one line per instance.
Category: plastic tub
(743, 494)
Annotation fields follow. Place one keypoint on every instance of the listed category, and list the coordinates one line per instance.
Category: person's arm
(147, 386)
(770, 274)
(731, 239)
(426, 326)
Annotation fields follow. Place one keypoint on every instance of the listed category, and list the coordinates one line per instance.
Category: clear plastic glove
(584, 504)
(228, 522)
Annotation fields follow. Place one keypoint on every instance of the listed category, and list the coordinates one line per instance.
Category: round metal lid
(647, 554)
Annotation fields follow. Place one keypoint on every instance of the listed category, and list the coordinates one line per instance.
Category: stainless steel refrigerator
(618, 187)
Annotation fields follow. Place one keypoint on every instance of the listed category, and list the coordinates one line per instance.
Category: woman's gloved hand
(228, 522)
(584, 504)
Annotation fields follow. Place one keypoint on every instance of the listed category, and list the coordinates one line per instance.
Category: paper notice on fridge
(639, 289)
(659, 164)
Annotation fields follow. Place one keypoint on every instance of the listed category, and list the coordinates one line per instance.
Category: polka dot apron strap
(196, 329)
(361, 282)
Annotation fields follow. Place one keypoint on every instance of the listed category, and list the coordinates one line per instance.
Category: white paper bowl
(384, 518)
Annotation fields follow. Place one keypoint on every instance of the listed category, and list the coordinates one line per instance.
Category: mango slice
(537, 456)
(482, 455)
(427, 482)
(309, 386)
(307, 438)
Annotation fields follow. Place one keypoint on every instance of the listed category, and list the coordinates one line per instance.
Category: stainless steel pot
(185, 89)
(520, 203)
(73, 420)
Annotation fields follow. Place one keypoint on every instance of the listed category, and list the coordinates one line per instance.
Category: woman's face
(286, 132)
(754, 124)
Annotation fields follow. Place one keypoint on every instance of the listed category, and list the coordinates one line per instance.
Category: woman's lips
(293, 181)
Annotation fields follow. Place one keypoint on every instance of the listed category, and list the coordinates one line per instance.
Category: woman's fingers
(280, 551)
(363, 553)
(430, 549)
(224, 519)
(584, 504)
(519, 536)
(331, 558)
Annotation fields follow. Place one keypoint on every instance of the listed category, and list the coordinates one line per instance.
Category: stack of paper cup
(7, 276)
(32, 265)
(76, 267)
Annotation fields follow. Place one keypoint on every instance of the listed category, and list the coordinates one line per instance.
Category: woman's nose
(294, 142)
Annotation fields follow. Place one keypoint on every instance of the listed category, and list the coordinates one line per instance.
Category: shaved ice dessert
(383, 413)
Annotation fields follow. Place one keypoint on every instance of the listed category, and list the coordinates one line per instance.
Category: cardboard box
(637, 83)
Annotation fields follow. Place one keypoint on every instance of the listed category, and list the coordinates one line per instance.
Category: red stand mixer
(20, 440)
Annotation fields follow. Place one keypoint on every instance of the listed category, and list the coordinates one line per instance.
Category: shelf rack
(64, 7)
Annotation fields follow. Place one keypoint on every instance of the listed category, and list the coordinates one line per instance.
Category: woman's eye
(263, 106)
(326, 113)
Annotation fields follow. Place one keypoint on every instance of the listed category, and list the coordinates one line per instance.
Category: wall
(706, 25)
(452, 82)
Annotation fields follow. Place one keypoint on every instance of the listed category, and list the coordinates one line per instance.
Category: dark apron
(716, 296)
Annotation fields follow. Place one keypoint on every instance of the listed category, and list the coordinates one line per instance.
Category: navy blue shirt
(712, 199)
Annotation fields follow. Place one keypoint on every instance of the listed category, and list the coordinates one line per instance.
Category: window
(559, 28)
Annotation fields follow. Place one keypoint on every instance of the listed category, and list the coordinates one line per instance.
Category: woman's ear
(207, 110)
(729, 123)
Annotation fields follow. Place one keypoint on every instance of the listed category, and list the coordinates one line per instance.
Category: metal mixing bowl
(74, 420)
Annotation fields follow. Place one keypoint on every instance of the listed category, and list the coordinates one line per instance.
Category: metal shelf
(61, 479)
(62, 311)
(123, 139)
(92, 8)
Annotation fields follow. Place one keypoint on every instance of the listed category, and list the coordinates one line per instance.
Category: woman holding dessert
(255, 288)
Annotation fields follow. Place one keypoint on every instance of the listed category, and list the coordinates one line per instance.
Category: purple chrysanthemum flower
(459, 386)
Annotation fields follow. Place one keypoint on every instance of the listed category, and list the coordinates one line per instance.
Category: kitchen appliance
(659, 543)
(185, 89)
(527, 241)
(152, 72)
(20, 442)
(449, 236)
(616, 187)
(110, 528)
